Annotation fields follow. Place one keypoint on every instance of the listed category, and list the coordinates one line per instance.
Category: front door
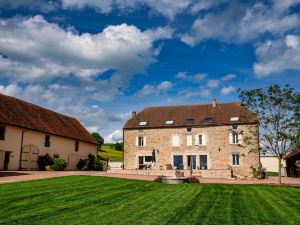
(191, 161)
(203, 162)
(30, 154)
(6, 160)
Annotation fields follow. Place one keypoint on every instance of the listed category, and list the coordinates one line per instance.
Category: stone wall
(217, 148)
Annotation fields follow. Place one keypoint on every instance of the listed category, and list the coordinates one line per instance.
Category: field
(108, 152)
(102, 200)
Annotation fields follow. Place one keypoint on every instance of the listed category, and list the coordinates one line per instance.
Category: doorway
(191, 161)
(29, 158)
(6, 160)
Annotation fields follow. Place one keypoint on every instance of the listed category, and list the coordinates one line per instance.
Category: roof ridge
(224, 103)
(35, 105)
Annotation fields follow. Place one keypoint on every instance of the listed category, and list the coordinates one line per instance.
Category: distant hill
(108, 151)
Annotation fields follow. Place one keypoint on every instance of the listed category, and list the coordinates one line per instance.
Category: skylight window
(234, 118)
(208, 120)
(143, 123)
(169, 122)
(189, 121)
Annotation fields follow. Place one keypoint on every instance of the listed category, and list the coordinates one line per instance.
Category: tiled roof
(221, 115)
(293, 153)
(19, 113)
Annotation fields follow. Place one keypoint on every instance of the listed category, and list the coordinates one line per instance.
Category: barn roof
(23, 114)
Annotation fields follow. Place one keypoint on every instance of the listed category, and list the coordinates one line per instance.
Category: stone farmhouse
(28, 130)
(208, 140)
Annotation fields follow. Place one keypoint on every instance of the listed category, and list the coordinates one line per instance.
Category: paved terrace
(17, 176)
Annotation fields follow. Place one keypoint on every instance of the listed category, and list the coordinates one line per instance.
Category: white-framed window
(235, 159)
(169, 122)
(189, 140)
(234, 118)
(143, 123)
(235, 138)
(140, 141)
(175, 141)
(200, 139)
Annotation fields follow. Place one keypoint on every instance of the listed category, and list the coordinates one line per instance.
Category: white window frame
(189, 140)
(169, 122)
(235, 138)
(234, 118)
(203, 139)
(143, 123)
(141, 143)
(235, 155)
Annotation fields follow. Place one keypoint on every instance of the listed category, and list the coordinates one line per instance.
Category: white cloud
(227, 90)
(242, 22)
(194, 78)
(229, 76)
(33, 48)
(277, 56)
(195, 93)
(115, 136)
(213, 83)
(168, 8)
(149, 89)
(41, 5)
(11, 89)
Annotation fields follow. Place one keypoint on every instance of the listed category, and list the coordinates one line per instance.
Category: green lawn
(102, 200)
(108, 152)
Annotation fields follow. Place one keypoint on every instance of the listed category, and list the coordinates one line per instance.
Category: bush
(259, 172)
(98, 165)
(193, 180)
(44, 161)
(90, 162)
(159, 179)
(49, 168)
(59, 164)
(81, 164)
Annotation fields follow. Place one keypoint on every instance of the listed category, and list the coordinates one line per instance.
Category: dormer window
(189, 121)
(234, 119)
(169, 122)
(208, 120)
(143, 123)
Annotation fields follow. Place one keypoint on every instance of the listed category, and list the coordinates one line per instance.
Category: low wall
(200, 173)
(115, 165)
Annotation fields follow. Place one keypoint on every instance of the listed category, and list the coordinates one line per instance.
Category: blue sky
(99, 60)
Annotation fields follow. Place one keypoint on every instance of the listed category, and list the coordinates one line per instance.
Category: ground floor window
(203, 162)
(144, 161)
(191, 160)
(235, 159)
(178, 162)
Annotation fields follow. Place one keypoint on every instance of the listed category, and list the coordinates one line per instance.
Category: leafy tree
(99, 139)
(119, 146)
(278, 110)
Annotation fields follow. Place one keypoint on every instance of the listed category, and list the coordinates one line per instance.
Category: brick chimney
(214, 103)
(133, 114)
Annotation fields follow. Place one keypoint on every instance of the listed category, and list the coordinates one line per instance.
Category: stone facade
(217, 146)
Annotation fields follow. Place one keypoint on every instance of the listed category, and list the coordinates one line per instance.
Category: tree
(119, 146)
(278, 110)
(99, 139)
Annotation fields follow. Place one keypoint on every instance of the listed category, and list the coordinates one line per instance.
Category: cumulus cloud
(242, 22)
(277, 56)
(149, 89)
(33, 48)
(213, 83)
(227, 90)
(195, 93)
(194, 78)
(114, 137)
(168, 8)
(41, 5)
(229, 76)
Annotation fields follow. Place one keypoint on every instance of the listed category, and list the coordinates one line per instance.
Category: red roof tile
(221, 114)
(19, 113)
(293, 153)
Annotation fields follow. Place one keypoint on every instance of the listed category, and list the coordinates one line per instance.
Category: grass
(103, 200)
(107, 151)
(272, 174)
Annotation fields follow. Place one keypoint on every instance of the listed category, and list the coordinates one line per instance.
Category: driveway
(16, 176)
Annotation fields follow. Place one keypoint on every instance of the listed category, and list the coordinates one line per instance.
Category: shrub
(159, 179)
(192, 180)
(81, 164)
(44, 161)
(259, 172)
(90, 162)
(49, 168)
(59, 164)
(98, 165)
